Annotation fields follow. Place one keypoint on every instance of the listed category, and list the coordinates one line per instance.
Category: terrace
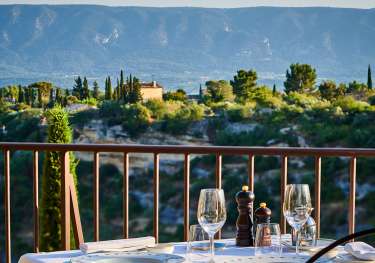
(70, 210)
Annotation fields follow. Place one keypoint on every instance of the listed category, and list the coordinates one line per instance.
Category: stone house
(151, 90)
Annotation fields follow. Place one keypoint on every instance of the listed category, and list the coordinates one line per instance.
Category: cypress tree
(108, 89)
(78, 88)
(116, 93)
(40, 99)
(21, 95)
(59, 131)
(95, 92)
(51, 98)
(121, 78)
(59, 96)
(135, 94)
(274, 89)
(369, 79)
(85, 89)
(26, 95)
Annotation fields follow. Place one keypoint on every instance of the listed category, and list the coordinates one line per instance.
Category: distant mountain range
(181, 47)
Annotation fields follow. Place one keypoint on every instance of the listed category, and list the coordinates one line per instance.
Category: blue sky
(207, 3)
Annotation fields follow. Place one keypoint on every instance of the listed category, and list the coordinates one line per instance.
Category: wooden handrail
(182, 149)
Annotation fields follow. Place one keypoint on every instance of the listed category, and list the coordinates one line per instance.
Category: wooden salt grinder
(244, 224)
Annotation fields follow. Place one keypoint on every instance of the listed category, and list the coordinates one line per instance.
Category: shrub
(349, 104)
(158, 108)
(136, 118)
(177, 122)
(90, 101)
(302, 100)
(371, 100)
(238, 112)
(71, 100)
(110, 109)
(264, 97)
(21, 107)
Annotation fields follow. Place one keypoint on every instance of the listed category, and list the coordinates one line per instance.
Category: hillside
(181, 46)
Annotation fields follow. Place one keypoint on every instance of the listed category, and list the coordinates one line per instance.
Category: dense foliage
(239, 112)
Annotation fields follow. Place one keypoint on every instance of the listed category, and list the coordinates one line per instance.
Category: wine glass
(211, 213)
(297, 207)
(268, 238)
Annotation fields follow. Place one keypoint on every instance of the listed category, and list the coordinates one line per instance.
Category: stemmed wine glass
(211, 213)
(297, 207)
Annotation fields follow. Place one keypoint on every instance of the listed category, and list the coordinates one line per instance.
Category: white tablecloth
(246, 253)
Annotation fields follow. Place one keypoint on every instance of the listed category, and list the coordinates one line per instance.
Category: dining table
(230, 253)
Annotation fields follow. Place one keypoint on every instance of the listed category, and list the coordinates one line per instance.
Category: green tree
(21, 94)
(12, 93)
(136, 118)
(219, 91)
(300, 78)
(356, 87)
(51, 101)
(59, 131)
(59, 96)
(329, 91)
(40, 99)
(135, 94)
(243, 84)
(274, 91)
(117, 93)
(78, 88)
(178, 95)
(108, 89)
(121, 87)
(96, 90)
(369, 79)
(85, 89)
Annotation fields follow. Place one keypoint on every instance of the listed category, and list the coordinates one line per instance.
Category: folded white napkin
(360, 250)
(130, 244)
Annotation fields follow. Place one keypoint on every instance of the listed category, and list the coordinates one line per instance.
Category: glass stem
(212, 248)
(297, 241)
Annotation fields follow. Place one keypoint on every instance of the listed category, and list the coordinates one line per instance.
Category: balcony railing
(70, 204)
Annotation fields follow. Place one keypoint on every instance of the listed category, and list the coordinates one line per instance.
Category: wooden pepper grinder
(263, 215)
(244, 224)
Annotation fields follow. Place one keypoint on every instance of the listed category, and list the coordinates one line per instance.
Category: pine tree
(300, 78)
(369, 79)
(77, 88)
(244, 83)
(85, 89)
(96, 89)
(274, 89)
(59, 131)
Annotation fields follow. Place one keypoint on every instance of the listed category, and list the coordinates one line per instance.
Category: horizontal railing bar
(180, 149)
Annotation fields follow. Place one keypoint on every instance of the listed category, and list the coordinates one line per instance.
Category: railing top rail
(183, 149)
